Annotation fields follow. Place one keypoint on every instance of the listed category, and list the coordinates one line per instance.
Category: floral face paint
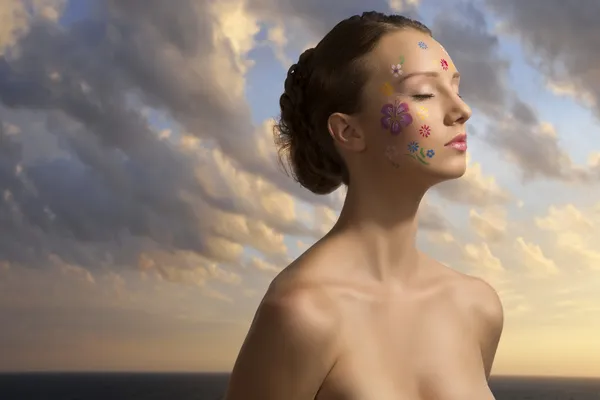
(425, 131)
(415, 151)
(397, 70)
(387, 89)
(422, 112)
(445, 64)
(423, 45)
(395, 117)
(418, 153)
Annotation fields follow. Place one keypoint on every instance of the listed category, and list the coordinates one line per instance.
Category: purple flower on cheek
(395, 117)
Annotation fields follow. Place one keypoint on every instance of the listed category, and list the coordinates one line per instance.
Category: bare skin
(357, 339)
(363, 314)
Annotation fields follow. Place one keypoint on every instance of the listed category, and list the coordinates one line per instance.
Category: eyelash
(421, 97)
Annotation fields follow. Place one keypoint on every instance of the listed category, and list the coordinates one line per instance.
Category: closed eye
(421, 97)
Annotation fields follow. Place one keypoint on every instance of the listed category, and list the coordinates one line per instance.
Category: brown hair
(327, 79)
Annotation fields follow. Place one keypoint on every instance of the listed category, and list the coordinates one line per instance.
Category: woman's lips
(460, 146)
(459, 142)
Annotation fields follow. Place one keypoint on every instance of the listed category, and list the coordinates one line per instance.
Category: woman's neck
(383, 228)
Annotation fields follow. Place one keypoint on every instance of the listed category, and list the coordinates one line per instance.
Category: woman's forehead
(412, 50)
(408, 45)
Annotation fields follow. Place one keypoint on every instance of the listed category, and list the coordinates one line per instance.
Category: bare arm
(490, 315)
(288, 351)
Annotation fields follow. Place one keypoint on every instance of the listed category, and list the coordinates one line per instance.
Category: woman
(363, 314)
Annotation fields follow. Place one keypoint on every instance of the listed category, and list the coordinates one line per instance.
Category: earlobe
(344, 132)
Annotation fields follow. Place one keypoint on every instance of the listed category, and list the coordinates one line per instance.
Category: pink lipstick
(458, 142)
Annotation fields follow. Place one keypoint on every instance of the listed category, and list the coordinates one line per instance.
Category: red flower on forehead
(444, 64)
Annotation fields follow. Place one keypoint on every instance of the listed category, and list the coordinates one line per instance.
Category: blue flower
(430, 153)
(422, 45)
(413, 147)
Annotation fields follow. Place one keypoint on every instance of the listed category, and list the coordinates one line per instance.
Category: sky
(143, 213)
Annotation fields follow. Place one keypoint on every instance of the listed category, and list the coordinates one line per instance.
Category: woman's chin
(448, 170)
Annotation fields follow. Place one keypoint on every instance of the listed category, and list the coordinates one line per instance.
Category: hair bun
(312, 164)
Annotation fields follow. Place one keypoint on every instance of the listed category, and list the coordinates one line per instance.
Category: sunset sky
(143, 213)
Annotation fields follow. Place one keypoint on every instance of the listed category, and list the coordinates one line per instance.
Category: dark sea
(202, 386)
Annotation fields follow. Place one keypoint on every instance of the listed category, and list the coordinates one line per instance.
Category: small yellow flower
(387, 89)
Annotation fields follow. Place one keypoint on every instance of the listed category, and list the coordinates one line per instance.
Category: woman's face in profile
(412, 110)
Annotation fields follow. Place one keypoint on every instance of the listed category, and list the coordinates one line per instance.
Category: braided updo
(328, 79)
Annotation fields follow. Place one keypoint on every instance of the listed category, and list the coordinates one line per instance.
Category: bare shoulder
(299, 301)
(299, 304)
(483, 300)
(485, 311)
(472, 293)
(292, 338)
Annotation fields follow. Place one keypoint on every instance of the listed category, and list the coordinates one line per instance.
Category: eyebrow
(432, 74)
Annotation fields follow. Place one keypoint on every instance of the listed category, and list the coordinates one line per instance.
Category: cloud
(234, 190)
(441, 238)
(118, 179)
(491, 225)
(474, 189)
(567, 217)
(93, 183)
(185, 267)
(462, 30)
(513, 126)
(262, 265)
(14, 19)
(403, 6)
(68, 269)
(16, 16)
(277, 39)
(534, 259)
(311, 21)
(565, 56)
(535, 148)
(482, 258)
(576, 233)
(484, 263)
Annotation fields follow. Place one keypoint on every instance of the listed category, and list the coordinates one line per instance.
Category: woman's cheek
(407, 123)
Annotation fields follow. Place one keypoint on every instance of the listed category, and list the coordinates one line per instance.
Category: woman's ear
(345, 132)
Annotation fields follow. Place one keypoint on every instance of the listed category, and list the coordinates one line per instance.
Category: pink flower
(396, 70)
(395, 117)
(444, 64)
